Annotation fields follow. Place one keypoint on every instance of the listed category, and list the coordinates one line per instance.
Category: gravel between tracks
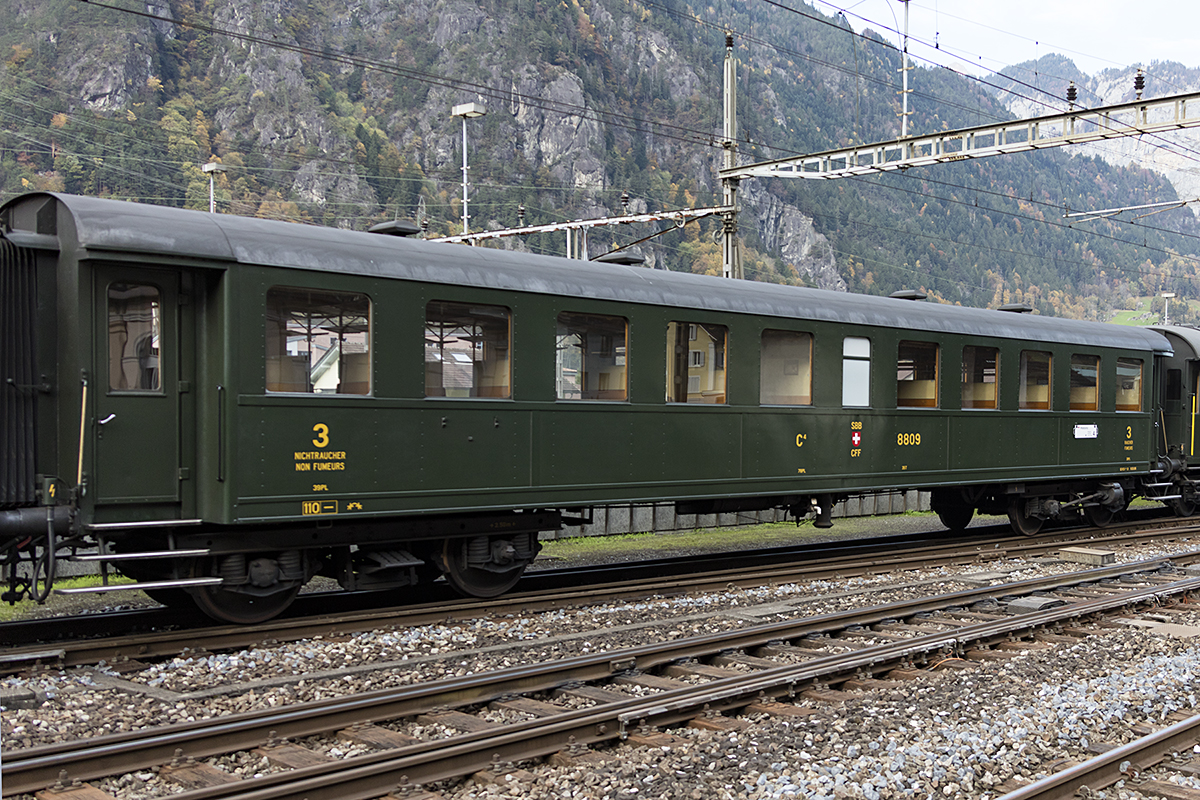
(957, 734)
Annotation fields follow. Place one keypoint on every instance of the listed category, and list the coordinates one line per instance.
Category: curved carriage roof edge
(1187, 335)
(115, 225)
(120, 226)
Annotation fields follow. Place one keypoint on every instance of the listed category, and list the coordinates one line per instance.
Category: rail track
(758, 668)
(59, 643)
(1144, 764)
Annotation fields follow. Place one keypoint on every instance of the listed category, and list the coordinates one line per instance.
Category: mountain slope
(339, 115)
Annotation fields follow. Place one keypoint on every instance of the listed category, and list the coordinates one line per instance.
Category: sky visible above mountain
(339, 114)
(978, 38)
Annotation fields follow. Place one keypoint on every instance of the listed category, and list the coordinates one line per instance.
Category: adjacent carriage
(228, 406)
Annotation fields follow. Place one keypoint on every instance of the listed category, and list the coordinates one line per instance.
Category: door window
(134, 328)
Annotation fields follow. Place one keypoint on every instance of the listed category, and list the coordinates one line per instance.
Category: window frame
(1140, 392)
(156, 334)
(918, 367)
(804, 367)
(1094, 405)
(860, 361)
(679, 379)
(980, 368)
(487, 345)
(591, 324)
(289, 306)
(1023, 404)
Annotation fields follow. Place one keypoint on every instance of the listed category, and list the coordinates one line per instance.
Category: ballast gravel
(956, 734)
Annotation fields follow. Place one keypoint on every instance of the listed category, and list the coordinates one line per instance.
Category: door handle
(106, 420)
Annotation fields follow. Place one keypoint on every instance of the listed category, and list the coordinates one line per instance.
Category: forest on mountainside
(338, 114)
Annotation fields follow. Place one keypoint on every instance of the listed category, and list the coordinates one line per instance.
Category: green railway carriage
(228, 406)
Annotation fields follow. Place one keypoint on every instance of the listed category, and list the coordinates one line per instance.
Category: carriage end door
(143, 388)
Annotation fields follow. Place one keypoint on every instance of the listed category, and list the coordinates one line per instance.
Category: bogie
(253, 588)
(485, 566)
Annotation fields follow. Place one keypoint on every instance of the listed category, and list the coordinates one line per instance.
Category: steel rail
(1118, 763)
(78, 652)
(374, 775)
(38, 767)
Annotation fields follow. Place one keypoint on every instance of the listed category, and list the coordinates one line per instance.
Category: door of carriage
(143, 365)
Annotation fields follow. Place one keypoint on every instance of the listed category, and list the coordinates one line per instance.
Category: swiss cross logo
(856, 439)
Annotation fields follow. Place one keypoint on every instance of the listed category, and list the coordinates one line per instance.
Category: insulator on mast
(521, 215)
(1139, 83)
(1072, 93)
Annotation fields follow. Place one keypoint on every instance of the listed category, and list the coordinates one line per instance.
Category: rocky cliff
(339, 114)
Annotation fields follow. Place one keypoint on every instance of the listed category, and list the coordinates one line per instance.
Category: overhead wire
(707, 138)
(1170, 146)
(454, 83)
(616, 118)
(1056, 108)
(63, 134)
(1058, 47)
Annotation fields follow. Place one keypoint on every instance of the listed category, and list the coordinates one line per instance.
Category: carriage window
(1085, 392)
(467, 351)
(318, 342)
(856, 372)
(134, 328)
(590, 357)
(980, 377)
(785, 369)
(917, 375)
(696, 362)
(1035, 380)
(1129, 384)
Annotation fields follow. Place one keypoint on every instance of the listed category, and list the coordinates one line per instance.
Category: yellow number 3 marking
(322, 432)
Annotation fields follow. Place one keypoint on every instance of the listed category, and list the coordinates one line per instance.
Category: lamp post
(211, 168)
(466, 110)
(1166, 296)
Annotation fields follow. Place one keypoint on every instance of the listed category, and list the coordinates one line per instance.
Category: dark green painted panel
(471, 447)
(605, 447)
(357, 449)
(786, 444)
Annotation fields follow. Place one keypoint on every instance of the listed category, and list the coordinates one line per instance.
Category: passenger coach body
(230, 405)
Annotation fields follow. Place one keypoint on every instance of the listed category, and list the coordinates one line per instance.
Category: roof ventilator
(396, 227)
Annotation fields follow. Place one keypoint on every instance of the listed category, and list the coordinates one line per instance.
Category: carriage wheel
(1183, 507)
(956, 518)
(237, 607)
(1098, 516)
(1022, 523)
(474, 581)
